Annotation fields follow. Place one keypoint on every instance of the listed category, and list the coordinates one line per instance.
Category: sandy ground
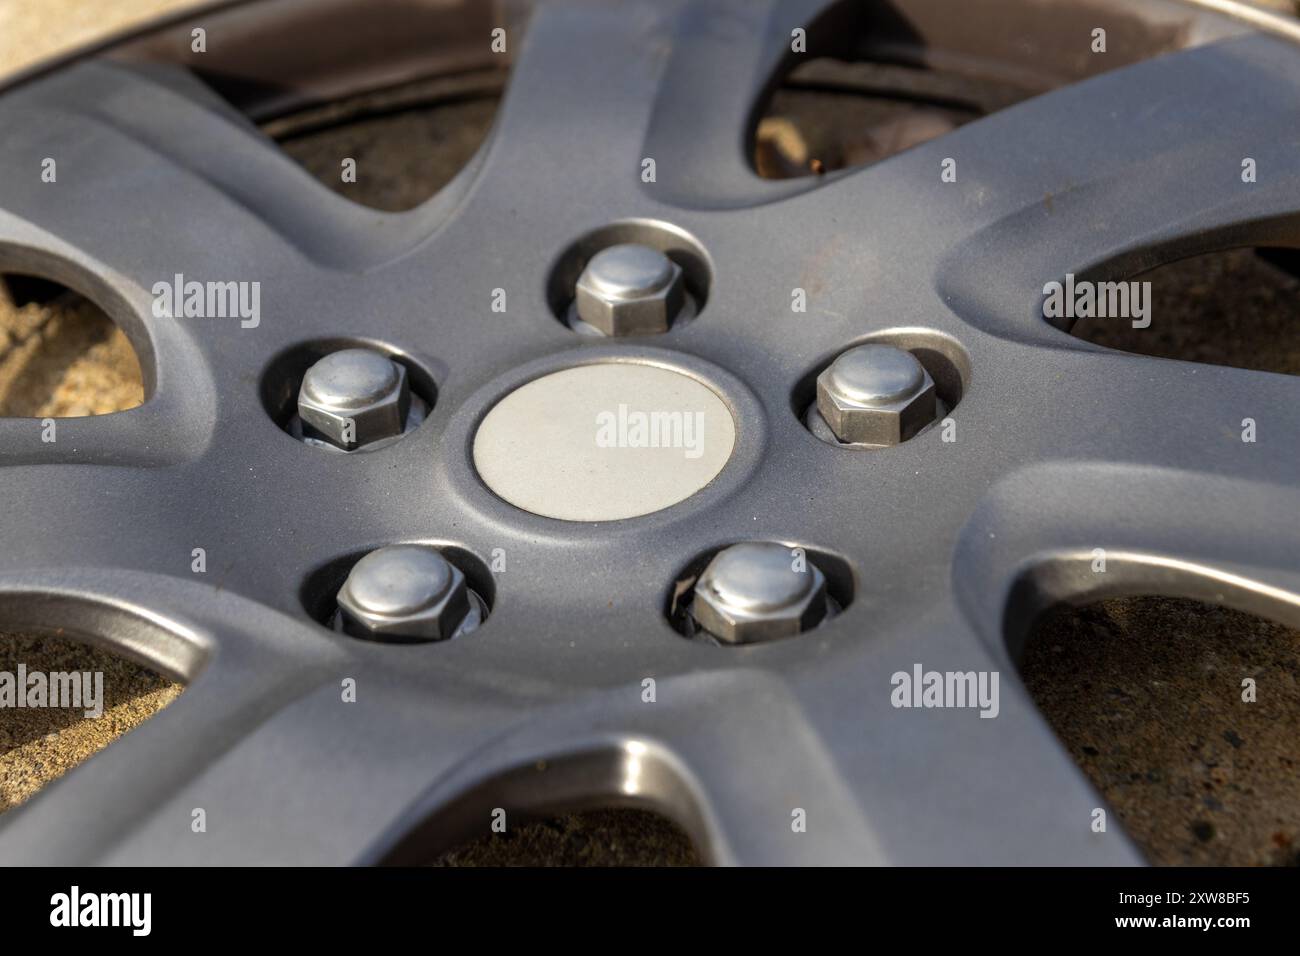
(1144, 693)
(33, 30)
(38, 745)
(63, 359)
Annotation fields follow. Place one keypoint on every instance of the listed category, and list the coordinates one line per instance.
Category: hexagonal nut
(404, 593)
(354, 397)
(888, 418)
(737, 618)
(627, 310)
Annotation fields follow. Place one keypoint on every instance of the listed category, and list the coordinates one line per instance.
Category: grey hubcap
(949, 544)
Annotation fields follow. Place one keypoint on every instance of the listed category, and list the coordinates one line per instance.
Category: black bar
(330, 906)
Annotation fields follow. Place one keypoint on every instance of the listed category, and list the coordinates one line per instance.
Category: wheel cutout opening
(383, 103)
(61, 356)
(1150, 696)
(831, 114)
(1239, 308)
(405, 143)
(880, 77)
(77, 699)
(595, 838)
(614, 804)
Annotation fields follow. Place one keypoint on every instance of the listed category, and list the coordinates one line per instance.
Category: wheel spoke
(1113, 175)
(775, 789)
(256, 742)
(596, 66)
(1119, 174)
(240, 658)
(944, 785)
(1078, 531)
(152, 154)
(726, 57)
(1163, 414)
(732, 775)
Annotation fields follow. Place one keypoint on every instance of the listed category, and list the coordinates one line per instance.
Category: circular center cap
(398, 580)
(875, 375)
(629, 270)
(603, 442)
(350, 378)
(757, 577)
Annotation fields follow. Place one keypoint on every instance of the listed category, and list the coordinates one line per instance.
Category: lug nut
(354, 397)
(406, 592)
(755, 592)
(630, 289)
(876, 395)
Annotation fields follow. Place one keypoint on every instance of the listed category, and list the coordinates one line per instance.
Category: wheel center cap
(603, 442)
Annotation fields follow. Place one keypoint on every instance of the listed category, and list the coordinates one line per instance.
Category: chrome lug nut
(354, 397)
(630, 289)
(758, 591)
(876, 395)
(406, 592)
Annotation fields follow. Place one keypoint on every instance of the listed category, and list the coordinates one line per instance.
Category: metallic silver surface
(629, 289)
(876, 395)
(404, 592)
(354, 397)
(759, 591)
